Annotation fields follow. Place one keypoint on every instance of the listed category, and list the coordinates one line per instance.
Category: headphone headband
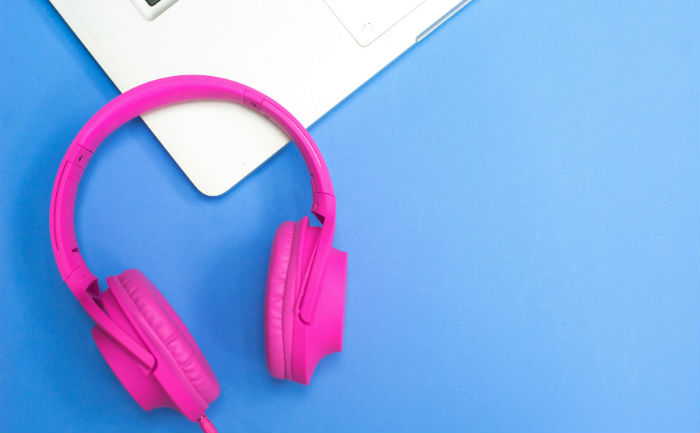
(147, 97)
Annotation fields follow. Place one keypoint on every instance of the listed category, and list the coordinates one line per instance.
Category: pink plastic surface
(146, 97)
(141, 99)
(293, 346)
(139, 334)
(323, 335)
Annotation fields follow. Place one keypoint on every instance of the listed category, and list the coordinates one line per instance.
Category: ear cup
(148, 309)
(140, 383)
(294, 348)
(279, 303)
(312, 342)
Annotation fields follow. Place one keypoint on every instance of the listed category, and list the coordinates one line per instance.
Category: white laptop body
(308, 55)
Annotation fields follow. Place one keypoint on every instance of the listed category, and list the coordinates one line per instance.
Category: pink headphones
(141, 337)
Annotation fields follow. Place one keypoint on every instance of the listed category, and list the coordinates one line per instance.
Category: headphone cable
(206, 425)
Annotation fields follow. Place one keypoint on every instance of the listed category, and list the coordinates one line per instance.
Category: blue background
(519, 196)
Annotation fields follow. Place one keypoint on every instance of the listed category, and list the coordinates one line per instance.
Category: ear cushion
(169, 329)
(279, 302)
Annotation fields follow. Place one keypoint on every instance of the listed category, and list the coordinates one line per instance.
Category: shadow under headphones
(137, 331)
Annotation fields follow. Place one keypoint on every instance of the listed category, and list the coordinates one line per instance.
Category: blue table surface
(519, 196)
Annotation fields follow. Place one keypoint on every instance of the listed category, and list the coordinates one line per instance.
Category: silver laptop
(308, 55)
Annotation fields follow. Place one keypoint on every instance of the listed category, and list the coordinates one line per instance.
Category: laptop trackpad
(366, 20)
